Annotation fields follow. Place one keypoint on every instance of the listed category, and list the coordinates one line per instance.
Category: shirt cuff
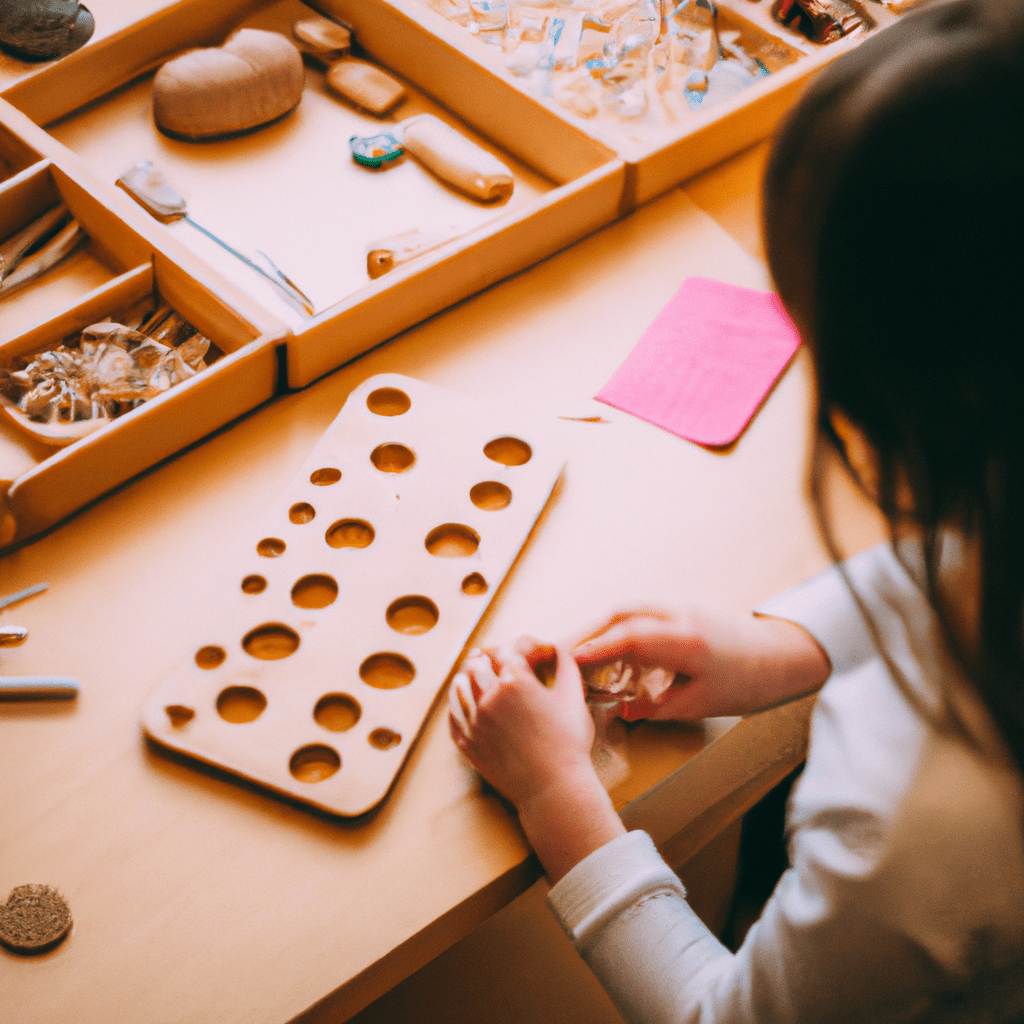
(608, 881)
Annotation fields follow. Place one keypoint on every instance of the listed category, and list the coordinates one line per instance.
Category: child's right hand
(726, 664)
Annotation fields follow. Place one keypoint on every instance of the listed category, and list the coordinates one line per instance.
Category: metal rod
(38, 588)
(38, 688)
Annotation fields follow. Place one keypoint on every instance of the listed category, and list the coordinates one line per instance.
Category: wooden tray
(659, 153)
(293, 190)
(354, 598)
(41, 484)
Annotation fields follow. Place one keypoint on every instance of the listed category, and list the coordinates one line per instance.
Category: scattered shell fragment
(253, 79)
(622, 680)
(150, 189)
(387, 253)
(457, 160)
(322, 38)
(34, 918)
(365, 85)
(822, 21)
(375, 150)
(38, 30)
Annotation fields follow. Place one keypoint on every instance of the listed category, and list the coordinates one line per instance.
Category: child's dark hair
(894, 220)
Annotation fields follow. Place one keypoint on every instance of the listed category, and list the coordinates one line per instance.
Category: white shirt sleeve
(905, 898)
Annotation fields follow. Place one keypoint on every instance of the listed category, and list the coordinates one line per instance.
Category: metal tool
(30, 687)
(21, 595)
(38, 688)
(151, 190)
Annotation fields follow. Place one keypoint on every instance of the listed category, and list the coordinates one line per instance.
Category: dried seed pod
(322, 38)
(457, 160)
(34, 918)
(253, 79)
(365, 85)
(40, 30)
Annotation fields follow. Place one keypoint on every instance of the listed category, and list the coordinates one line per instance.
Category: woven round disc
(34, 918)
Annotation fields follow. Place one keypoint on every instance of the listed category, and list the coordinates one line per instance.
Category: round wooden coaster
(34, 918)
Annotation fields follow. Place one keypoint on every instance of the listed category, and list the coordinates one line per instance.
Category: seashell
(322, 38)
(365, 85)
(457, 160)
(388, 253)
(253, 79)
(375, 150)
(40, 30)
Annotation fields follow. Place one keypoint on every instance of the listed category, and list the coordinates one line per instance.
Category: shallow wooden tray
(658, 153)
(355, 595)
(41, 484)
(293, 191)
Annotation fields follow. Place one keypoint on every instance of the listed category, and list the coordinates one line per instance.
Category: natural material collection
(634, 58)
(105, 371)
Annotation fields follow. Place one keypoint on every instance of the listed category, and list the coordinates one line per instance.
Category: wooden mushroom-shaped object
(256, 77)
(40, 30)
(365, 85)
(457, 160)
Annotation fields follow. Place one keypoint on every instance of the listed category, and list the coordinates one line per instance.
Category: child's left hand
(532, 743)
(521, 735)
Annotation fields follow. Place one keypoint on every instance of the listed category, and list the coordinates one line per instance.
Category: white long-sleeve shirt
(905, 895)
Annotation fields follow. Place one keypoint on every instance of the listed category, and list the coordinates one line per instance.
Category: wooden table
(197, 899)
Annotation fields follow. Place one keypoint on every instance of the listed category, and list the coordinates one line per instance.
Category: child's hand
(520, 734)
(727, 664)
(532, 743)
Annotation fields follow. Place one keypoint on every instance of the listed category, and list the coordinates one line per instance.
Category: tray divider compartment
(131, 286)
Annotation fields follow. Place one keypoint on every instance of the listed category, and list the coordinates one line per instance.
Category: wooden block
(355, 597)
(365, 85)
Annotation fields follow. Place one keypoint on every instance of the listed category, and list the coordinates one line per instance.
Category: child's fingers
(480, 672)
(461, 700)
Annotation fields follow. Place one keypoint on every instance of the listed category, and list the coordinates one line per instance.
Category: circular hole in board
(384, 739)
(314, 763)
(271, 641)
(474, 584)
(337, 711)
(301, 512)
(490, 495)
(325, 477)
(210, 657)
(392, 458)
(270, 547)
(179, 714)
(317, 590)
(509, 451)
(412, 615)
(350, 533)
(452, 540)
(254, 585)
(387, 671)
(388, 402)
(240, 704)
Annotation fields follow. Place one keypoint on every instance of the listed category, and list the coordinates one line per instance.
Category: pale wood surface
(197, 899)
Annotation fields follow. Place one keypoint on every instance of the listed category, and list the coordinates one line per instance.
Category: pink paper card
(706, 364)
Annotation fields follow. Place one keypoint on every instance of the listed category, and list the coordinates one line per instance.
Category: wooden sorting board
(355, 596)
